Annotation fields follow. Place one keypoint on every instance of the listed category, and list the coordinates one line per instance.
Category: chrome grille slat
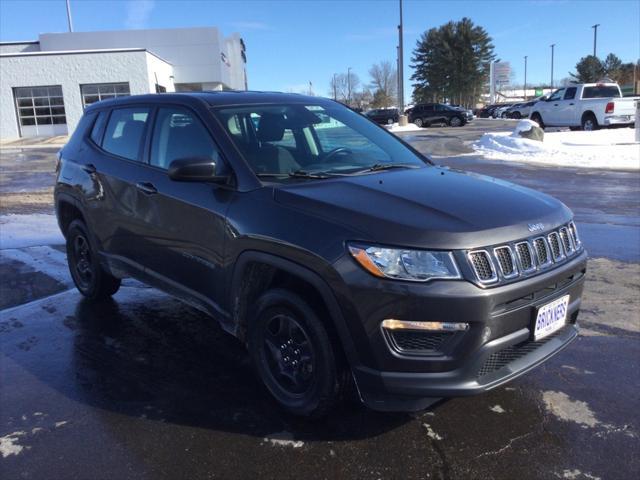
(555, 246)
(506, 261)
(483, 266)
(567, 242)
(543, 256)
(525, 256)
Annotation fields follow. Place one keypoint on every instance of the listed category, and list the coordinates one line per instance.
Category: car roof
(213, 98)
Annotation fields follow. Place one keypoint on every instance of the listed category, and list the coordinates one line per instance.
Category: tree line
(591, 69)
(379, 92)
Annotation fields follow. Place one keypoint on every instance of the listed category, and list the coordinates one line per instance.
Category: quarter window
(125, 131)
(92, 93)
(179, 134)
(571, 93)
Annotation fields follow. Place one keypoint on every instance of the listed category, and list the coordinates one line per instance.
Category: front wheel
(389, 121)
(418, 122)
(538, 119)
(294, 355)
(455, 122)
(88, 275)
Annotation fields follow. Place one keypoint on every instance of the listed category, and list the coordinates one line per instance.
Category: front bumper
(496, 349)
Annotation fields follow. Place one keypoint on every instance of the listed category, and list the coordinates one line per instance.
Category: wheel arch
(256, 272)
(67, 210)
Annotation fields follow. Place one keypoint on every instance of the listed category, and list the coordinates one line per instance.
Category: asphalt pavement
(145, 387)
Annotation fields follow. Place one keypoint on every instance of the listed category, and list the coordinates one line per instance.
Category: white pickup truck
(588, 106)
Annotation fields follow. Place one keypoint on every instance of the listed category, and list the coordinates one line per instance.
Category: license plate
(551, 317)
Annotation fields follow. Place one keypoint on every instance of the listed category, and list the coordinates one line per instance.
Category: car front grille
(502, 358)
(510, 261)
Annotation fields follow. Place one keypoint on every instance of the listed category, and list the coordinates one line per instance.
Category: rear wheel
(589, 122)
(418, 122)
(516, 115)
(294, 355)
(88, 275)
(389, 121)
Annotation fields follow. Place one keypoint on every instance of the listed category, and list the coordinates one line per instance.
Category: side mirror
(195, 169)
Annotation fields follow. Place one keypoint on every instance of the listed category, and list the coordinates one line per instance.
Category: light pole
(553, 46)
(349, 86)
(69, 16)
(595, 37)
(335, 86)
(525, 78)
(402, 118)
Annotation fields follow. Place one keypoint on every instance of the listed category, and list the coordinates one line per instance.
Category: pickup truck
(589, 106)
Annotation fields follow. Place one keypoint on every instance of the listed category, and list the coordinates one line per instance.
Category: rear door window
(125, 132)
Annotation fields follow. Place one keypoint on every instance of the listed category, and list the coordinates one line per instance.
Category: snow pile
(410, 127)
(613, 149)
(17, 231)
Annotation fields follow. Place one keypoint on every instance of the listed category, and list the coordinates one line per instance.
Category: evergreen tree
(589, 69)
(452, 63)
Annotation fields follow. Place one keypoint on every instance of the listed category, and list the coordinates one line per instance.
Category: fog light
(392, 324)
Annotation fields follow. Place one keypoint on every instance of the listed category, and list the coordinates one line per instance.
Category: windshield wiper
(378, 167)
(305, 174)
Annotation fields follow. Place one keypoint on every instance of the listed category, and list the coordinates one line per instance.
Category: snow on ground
(18, 231)
(410, 127)
(614, 148)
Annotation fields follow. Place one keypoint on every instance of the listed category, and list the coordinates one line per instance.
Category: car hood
(431, 207)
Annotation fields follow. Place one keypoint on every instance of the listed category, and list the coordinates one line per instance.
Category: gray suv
(341, 257)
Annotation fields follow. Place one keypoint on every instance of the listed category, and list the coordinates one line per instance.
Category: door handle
(89, 168)
(555, 104)
(571, 104)
(146, 188)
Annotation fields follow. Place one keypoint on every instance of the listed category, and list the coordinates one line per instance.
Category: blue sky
(290, 43)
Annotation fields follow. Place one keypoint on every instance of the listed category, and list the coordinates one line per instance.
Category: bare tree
(342, 87)
(384, 83)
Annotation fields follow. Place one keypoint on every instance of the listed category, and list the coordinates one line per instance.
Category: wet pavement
(145, 387)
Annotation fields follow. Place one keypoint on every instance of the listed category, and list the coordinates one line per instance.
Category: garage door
(40, 111)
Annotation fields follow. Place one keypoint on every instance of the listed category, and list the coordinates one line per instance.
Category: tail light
(609, 108)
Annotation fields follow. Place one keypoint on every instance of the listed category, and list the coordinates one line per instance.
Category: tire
(516, 115)
(89, 277)
(389, 121)
(418, 122)
(455, 122)
(294, 356)
(589, 122)
(538, 119)
(575, 129)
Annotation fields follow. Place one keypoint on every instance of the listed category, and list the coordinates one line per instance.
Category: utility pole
(335, 91)
(553, 46)
(69, 16)
(402, 119)
(595, 37)
(525, 78)
(349, 86)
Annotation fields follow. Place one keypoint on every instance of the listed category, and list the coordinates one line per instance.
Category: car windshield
(312, 141)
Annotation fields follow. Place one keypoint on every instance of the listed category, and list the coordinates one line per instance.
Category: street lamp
(595, 37)
(553, 46)
(525, 78)
(402, 118)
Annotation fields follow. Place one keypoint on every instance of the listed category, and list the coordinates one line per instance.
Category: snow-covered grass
(18, 231)
(410, 127)
(612, 149)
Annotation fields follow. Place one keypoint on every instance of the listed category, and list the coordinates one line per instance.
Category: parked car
(427, 114)
(487, 111)
(342, 258)
(588, 106)
(467, 112)
(520, 110)
(501, 110)
(384, 116)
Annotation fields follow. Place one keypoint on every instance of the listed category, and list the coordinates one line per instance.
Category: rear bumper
(619, 120)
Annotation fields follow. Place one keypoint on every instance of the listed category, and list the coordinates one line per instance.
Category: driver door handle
(146, 188)
(571, 104)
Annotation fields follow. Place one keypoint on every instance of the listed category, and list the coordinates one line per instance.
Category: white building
(45, 84)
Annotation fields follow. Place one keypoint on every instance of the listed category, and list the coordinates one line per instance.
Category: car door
(113, 210)
(184, 222)
(552, 108)
(566, 108)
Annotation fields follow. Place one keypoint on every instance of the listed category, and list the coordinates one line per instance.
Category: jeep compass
(341, 257)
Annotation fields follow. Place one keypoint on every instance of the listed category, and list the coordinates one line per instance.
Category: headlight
(401, 264)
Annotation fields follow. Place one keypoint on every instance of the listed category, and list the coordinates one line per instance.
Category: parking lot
(146, 387)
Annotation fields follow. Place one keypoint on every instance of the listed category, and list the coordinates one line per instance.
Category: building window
(40, 106)
(92, 93)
